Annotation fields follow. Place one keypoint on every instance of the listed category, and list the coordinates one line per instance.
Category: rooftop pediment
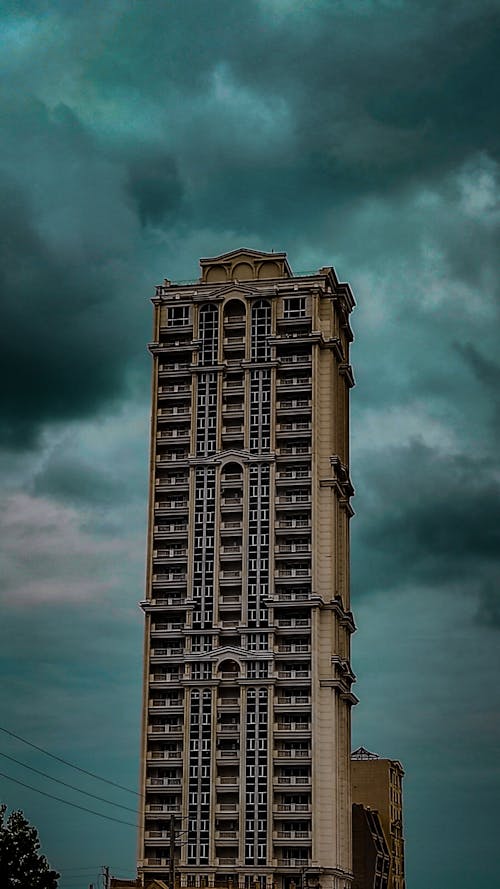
(244, 264)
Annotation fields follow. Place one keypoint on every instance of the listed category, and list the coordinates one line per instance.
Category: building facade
(370, 853)
(247, 681)
(378, 783)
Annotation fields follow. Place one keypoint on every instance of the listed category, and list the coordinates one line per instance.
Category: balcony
(292, 726)
(177, 529)
(293, 862)
(292, 548)
(293, 474)
(226, 834)
(234, 549)
(166, 704)
(228, 755)
(298, 648)
(295, 359)
(173, 435)
(294, 383)
(232, 411)
(298, 596)
(179, 552)
(232, 432)
(227, 782)
(231, 526)
(229, 728)
(167, 626)
(231, 503)
(293, 780)
(294, 403)
(282, 700)
(232, 703)
(181, 412)
(172, 456)
(291, 754)
(166, 729)
(175, 389)
(167, 652)
(168, 505)
(228, 578)
(293, 450)
(287, 808)
(160, 679)
(293, 622)
(293, 674)
(182, 367)
(164, 755)
(291, 835)
(292, 572)
(163, 782)
(232, 479)
(163, 808)
(299, 497)
(226, 808)
(169, 579)
(229, 600)
(172, 481)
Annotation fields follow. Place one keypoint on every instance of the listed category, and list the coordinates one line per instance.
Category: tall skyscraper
(247, 689)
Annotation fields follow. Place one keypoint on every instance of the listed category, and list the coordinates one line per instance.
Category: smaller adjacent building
(370, 852)
(377, 784)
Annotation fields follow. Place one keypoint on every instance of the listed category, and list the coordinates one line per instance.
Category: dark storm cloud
(429, 518)
(68, 314)
(155, 188)
(158, 119)
(74, 481)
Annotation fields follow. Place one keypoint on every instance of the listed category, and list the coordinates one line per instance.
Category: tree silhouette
(21, 867)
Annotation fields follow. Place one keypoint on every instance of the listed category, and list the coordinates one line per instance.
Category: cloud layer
(140, 136)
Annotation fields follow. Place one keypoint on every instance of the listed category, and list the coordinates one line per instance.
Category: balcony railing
(171, 577)
(293, 572)
(292, 727)
(294, 780)
(293, 674)
(163, 782)
(166, 729)
(293, 862)
(179, 553)
(294, 381)
(293, 622)
(299, 648)
(292, 754)
(295, 359)
(171, 625)
(293, 498)
(292, 807)
(293, 699)
(164, 754)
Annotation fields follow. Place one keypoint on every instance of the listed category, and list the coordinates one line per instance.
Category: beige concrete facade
(247, 680)
(378, 783)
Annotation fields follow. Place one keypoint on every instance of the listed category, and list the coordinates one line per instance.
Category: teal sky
(137, 137)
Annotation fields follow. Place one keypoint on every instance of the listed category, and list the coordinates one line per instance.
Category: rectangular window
(177, 316)
(294, 307)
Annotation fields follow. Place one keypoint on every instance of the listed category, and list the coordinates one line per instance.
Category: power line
(67, 803)
(101, 799)
(67, 763)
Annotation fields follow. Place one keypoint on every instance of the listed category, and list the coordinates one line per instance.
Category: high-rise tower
(247, 691)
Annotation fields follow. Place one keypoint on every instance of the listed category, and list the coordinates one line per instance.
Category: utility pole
(172, 853)
(105, 873)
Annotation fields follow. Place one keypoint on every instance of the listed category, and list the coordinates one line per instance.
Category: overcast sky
(139, 136)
